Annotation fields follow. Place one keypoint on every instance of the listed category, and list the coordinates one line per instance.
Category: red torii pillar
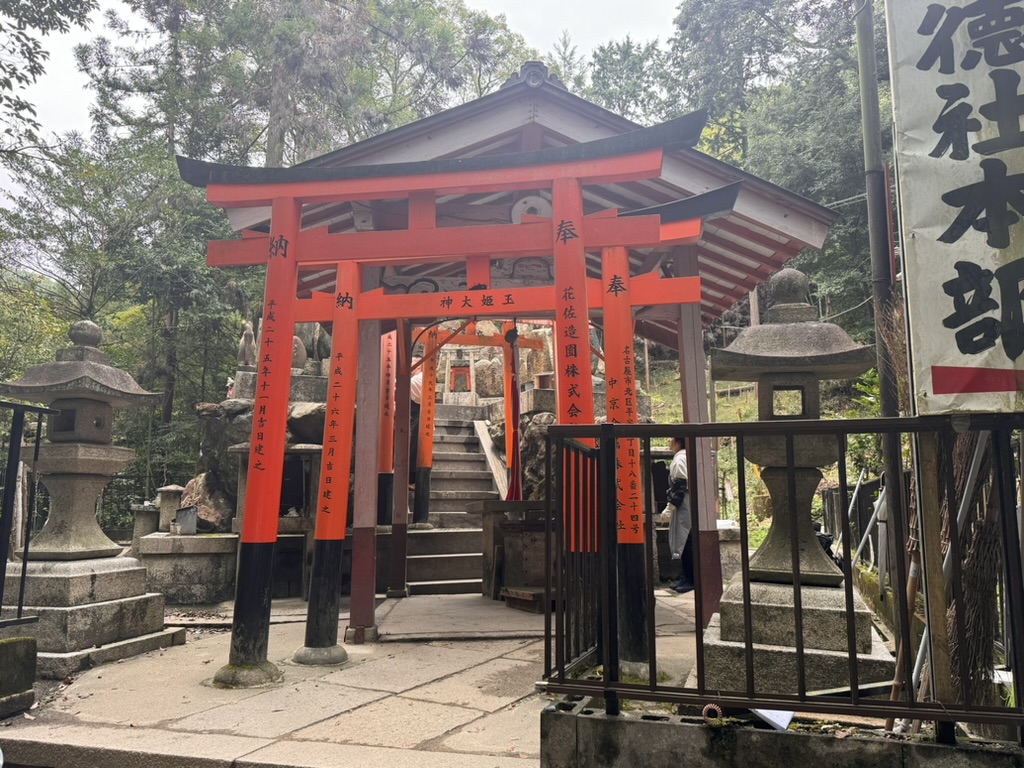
(321, 643)
(250, 627)
(621, 408)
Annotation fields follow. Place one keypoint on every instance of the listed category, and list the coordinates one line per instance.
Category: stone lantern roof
(791, 341)
(80, 372)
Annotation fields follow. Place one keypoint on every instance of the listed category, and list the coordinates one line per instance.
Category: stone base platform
(57, 666)
(190, 570)
(775, 666)
(823, 611)
(89, 612)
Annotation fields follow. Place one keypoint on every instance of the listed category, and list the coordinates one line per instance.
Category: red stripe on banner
(949, 380)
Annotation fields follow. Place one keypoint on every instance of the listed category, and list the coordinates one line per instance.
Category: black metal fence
(17, 413)
(961, 676)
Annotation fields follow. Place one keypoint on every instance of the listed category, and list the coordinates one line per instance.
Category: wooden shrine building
(527, 202)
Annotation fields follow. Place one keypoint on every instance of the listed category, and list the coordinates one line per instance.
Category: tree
(571, 67)
(626, 78)
(105, 226)
(724, 52)
(23, 60)
(282, 81)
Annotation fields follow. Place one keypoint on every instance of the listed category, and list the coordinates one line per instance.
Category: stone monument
(91, 601)
(787, 356)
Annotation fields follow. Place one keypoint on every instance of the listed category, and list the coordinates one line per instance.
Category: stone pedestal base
(773, 631)
(775, 665)
(90, 612)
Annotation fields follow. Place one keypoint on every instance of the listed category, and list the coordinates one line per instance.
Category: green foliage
(23, 60)
(287, 80)
(626, 79)
(29, 331)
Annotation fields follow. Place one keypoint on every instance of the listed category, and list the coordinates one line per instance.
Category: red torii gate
(568, 234)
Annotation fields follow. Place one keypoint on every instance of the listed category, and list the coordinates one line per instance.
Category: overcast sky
(63, 101)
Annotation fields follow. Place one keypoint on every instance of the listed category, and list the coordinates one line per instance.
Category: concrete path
(450, 685)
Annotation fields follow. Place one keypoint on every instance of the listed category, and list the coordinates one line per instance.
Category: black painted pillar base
(385, 497)
(321, 645)
(633, 606)
(421, 501)
(247, 665)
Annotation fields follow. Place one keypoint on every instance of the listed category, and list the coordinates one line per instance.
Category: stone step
(453, 428)
(445, 541)
(451, 505)
(448, 481)
(448, 519)
(442, 495)
(452, 441)
(461, 412)
(462, 565)
(447, 587)
(447, 461)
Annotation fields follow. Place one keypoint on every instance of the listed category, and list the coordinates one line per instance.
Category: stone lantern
(92, 604)
(787, 356)
(78, 461)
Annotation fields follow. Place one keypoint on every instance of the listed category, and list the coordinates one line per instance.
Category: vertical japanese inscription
(958, 105)
(620, 388)
(339, 421)
(387, 402)
(273, 379)
(428, 409)
(575, 401)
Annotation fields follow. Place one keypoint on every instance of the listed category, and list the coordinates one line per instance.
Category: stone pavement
(450, 685)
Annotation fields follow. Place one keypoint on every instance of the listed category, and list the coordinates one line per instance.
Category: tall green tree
(725, 52)
(23, 61)
(627, 77)
(105, 225)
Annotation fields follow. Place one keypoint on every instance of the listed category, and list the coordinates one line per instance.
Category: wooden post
(397, 586)
(621, 408)
(510, 358)
(693, 383)
(250, 628)
(936, 604)
(321, 643)
(362, 618)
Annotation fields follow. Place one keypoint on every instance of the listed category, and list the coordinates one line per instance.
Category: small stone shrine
(91, 602)
(787, 356)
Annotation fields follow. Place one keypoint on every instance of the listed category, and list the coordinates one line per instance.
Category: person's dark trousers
(685, 583)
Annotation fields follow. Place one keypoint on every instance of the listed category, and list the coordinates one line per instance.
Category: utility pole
(877, 200)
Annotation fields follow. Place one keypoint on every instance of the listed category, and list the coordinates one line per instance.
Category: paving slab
(408, 666)
(278, 711)
(314, 754)
(395, 721)
(69, 744)
(454, 616)
(513, 730)
(487, 687)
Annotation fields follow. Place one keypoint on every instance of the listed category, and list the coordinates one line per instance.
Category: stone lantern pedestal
(787, 356)
(91, 601)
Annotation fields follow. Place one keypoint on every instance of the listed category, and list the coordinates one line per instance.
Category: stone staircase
(449, 559)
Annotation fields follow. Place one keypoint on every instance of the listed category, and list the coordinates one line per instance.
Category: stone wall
(574, 736)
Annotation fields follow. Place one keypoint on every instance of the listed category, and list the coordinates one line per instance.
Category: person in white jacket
(678, 506)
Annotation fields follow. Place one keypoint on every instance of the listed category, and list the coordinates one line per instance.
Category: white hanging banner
(957, 99)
